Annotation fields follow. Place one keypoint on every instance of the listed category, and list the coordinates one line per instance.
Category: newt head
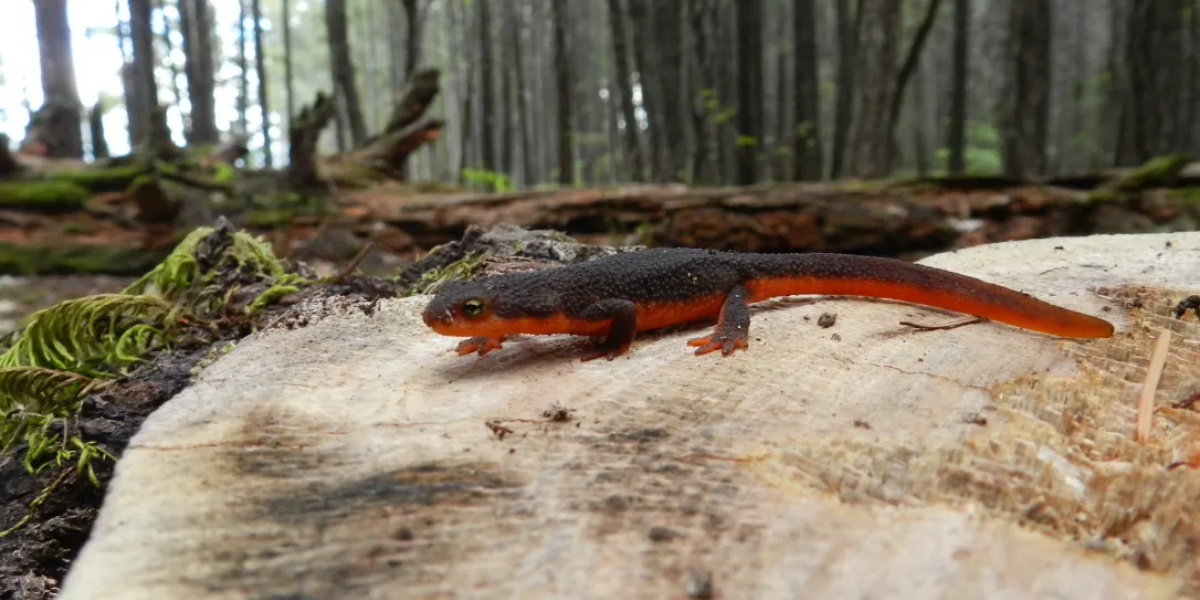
(461, 308)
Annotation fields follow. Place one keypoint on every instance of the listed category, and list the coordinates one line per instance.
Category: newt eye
(473, 307)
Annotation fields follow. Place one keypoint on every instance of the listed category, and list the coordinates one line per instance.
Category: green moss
(43, 195)
(270, 295)
(463, 268)
(1191, 195)
(179, 271)
(53, 258)
(269, 217)
(113, 179)
(1156, 172)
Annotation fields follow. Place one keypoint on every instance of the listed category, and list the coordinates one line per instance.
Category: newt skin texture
(617, 296)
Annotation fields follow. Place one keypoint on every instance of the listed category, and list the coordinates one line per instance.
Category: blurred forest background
(703, 92)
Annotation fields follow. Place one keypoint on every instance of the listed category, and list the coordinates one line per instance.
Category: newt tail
(617, 296)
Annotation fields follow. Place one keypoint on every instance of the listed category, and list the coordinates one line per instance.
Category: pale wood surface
(350, 458)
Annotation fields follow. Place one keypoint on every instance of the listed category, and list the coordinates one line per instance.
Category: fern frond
(88, 334)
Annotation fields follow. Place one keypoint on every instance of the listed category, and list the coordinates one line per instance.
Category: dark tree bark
(624, 90)
(750, 89)
(1154, 53)
(957, 139)
(412, 22)
(870, 151)
(260, 67)
(289, 89)
(487, 92)
(58, 78)
(144, 87)
(646, 46)
(562, 79)
(1025, 127)
(807, 133)
(343, 70)
(96, 129)
(196, 27)
(169, 50)
(910, 63)
(519, 110)
(848, 23)
(704, 154)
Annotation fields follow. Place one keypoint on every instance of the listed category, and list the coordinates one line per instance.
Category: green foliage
(489, 180)
(982, 154)
(745, 141)
(1158, 171)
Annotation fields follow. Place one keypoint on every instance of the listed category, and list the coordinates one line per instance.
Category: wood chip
(1150, 386)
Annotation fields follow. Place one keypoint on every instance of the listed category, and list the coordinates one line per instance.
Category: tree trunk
(875, 72)
(260, 67)
(58, 78)
(342, 69)
(487, 91)
(1025, 126)
(196, 26)
(289, 81)
(624, 90)
(96, 129)
(957, 139)
(807, 133)
(1154, 53)
(911, 59)
(748, 49)
(706, 101)
(412, 22)
(849, 21)
(522, 83)
(243, 102)
(562, 78)
(144, 86)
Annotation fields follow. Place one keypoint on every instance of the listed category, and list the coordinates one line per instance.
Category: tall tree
(260, 68)
(412, 54)
(196, 26)
(807, 134)
(288, 77)
(848, 22)
(875, 73)
(957, 142)
(243, 101)
(343, 69)
(58, 79)
(1154, 54)
(702, 15)
(624, 90)
(487, 84)
(562, 78)
(748, 14)
(1026, 112)
(516, 16)
(144, 102)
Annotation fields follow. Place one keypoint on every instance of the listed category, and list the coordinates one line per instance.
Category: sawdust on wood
(1062, 457)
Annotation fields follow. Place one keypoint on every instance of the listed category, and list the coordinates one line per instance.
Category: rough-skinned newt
(617, 296)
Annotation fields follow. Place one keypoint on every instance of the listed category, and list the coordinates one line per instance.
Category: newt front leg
(481, 344)
(733, 326)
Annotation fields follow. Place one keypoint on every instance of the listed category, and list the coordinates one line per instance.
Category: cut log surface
(356, 456)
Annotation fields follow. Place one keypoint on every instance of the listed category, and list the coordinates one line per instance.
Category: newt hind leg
(621, 329)
(733, 327)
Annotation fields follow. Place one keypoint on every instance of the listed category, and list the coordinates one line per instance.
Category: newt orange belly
(617, 296)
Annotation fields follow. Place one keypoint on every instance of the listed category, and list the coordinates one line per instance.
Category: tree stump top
(357, 456)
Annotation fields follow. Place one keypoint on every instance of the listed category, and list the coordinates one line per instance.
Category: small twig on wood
(921, 327)
(345, 271)
(1150, 386)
